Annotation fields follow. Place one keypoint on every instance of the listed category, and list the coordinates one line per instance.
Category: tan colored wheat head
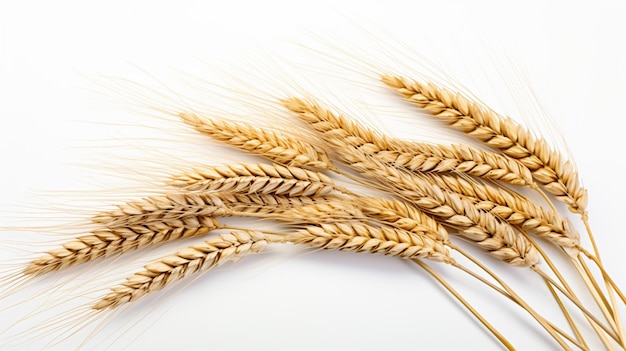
(547, 166)
(184, 263)
(272, 145)
(484, 229)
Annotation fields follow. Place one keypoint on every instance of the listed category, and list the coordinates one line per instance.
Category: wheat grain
(322, 212)
(134, 225)
(162, 209)
(424, 157)
(361, 237)
(243, 203)
(481, 228)
(402, 215)
(547, 166)
(275, 146)
(415, 156)
(106, 242)
(184, 263)
(257, 178)
(514, 208)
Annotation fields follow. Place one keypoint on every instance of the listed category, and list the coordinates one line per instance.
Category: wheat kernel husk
(184, 263)
(275, 146)
(547, 166)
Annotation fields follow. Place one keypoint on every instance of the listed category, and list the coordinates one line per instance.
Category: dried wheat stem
(275, 146)
(610, 311)
(106, 242)
(572, 296)
(382, 210)
(467, 305)
(605, 274)
(549, 327)
(403, 215)
(360, 237)
(586, 312)
(547, 166)
(257, 178)
(567, 316)
(184, 263)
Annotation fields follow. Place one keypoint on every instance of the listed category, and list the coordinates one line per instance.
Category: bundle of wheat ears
(431, 196)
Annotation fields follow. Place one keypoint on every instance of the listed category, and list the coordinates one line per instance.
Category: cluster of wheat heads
(431, 195)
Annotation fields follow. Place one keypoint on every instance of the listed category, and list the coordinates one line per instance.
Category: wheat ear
(415, 156)
(436, 158)
(402, 215)
(485, 230)
(257, 178)
(184, 263)
(134, 225)
(481, 228)
(232, 200)
(106, 242)
(275, 146)
(514, 208)
(363, 237)
(547, 166)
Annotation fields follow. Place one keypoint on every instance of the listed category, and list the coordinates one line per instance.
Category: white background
(53, 53)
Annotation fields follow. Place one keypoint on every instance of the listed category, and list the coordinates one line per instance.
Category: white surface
(52, 53)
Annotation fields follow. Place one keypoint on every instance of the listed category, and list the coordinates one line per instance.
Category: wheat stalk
(275, 146)
(158, 219)
(257, 178)
(184, 263)
(547, 166)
